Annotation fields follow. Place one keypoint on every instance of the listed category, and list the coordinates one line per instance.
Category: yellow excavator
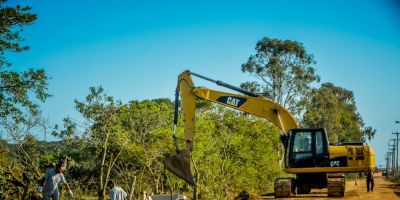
(308, 154)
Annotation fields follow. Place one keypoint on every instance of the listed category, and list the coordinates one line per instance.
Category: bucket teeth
(179, 165)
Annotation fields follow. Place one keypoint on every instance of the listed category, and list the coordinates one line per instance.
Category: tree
(334, 108)
(233, 152)
(100, 113)
(285, 71)
(21, 158)
(126, 142)
(15, 86)
(19, 114)
(148, 124)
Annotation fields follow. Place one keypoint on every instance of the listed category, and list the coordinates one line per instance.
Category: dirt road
(384, 190)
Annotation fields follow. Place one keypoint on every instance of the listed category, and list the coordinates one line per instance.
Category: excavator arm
(253, 104)
(249, 103)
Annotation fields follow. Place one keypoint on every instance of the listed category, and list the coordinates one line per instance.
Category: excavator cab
(307, 147)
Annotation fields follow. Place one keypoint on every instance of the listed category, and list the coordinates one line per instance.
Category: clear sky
(136, 49)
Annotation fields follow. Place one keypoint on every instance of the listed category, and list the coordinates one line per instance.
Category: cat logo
(335, 163)
(232, 100)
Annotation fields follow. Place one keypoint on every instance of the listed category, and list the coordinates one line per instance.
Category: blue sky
(136, 49)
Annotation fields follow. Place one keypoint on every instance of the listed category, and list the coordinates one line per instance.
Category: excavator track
(336, 185)
(283, 187)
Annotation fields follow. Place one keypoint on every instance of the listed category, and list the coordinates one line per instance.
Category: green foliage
(13, 19)
(19, 168)
(102, 138)
(15, 86)
(285, 71)
(234, 152)
(334, 108)
(119, 141)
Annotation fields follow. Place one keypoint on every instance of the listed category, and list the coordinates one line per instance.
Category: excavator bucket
(179, 165)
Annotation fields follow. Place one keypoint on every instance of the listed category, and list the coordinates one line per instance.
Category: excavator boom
(251, 103)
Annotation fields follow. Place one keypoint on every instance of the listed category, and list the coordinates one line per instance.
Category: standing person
(52, 178)
(370, 180)
(117, 193)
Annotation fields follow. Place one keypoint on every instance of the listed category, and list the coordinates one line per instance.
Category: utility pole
(397, 134)
(389, 154)
(387, 163)
(397, 153)
(393, 150)
(392, 159)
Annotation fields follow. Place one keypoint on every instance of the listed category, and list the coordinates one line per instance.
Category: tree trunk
(109, 166)
(197, 180)
(132, 188)
(25, 195)
(195, 193)
(158, 183)
(101, 192)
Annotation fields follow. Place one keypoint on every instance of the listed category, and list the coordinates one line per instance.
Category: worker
(307, 144)
(51, 180)
(117, 193)
(370, 180)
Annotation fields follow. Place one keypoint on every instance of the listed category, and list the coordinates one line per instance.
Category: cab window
(319, 143)
(302, 142)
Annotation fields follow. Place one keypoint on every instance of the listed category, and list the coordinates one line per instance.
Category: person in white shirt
(51, 180)
(117, 193)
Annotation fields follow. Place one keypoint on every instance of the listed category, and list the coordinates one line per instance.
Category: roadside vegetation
(394, 179)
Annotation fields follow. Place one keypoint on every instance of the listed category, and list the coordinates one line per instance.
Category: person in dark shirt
(370, 180)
